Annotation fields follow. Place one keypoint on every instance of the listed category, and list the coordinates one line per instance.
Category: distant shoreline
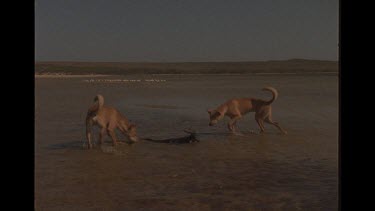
(187, 74)
(296, 66)
(66, 75)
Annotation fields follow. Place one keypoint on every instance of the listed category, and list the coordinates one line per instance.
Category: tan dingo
(108, 119)
(236, 108)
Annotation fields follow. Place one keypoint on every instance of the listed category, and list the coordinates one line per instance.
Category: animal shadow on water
(180, 140)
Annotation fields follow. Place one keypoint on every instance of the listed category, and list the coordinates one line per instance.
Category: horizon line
(227, 61)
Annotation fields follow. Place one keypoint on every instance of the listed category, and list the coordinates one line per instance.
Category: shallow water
(221, 172)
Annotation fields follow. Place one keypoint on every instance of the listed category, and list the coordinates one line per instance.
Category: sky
(185, 30)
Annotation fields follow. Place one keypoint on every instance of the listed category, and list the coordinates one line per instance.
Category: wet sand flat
(221, 172)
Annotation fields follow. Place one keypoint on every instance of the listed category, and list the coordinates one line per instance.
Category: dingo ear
(131, 127)
(216, 113)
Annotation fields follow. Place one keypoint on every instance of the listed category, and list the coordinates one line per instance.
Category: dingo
(108, 119)
(236, 108)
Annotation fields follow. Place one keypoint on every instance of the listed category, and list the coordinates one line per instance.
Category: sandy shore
(221, 172)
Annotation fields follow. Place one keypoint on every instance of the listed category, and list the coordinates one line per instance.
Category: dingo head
(132, 133)
(215, 116)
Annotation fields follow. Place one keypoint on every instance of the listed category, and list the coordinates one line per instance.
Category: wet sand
(221, 172)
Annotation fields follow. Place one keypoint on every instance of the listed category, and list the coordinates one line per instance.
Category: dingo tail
(274, 94)
(97, 105)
